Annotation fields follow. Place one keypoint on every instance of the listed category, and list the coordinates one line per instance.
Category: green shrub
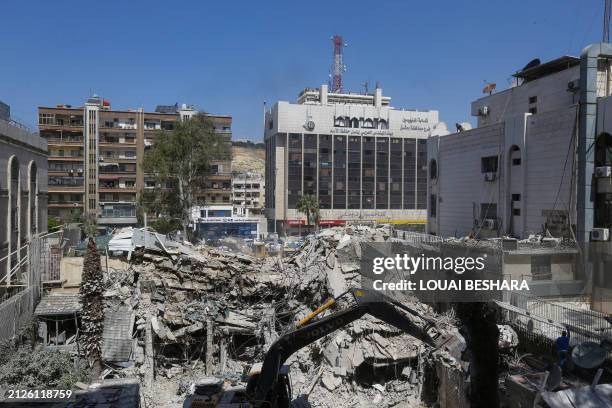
(27, 368)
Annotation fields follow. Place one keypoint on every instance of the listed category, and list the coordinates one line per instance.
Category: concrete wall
(460, 187)
(518, 266)
(30, 151)
(290, 118)
(551, 92)
(542, 179)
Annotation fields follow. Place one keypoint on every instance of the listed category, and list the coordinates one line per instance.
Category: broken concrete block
(331, 354)
(339, 371)
(81, 385)
(379, 387)
(155, 325)
(178, 296)
(406, 372)
(330, 381)
(344, 241)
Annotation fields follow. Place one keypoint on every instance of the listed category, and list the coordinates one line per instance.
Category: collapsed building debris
(202, 311)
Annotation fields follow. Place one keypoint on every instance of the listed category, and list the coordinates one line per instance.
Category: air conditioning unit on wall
(489, 223)
(600, 234)
(574, 85)
(490, 177)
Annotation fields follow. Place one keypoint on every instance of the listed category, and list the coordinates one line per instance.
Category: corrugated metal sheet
(117, 334)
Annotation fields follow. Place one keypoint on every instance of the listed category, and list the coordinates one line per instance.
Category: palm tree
(309, 206)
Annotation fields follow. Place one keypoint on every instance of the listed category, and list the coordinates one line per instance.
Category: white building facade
(540, 161)
(509, 175)
(364, 160)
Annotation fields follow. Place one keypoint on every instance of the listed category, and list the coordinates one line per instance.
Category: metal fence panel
(15, 313)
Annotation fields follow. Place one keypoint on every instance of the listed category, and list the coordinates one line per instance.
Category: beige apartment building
(96, 155)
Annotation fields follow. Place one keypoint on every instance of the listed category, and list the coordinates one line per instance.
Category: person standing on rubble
(562, 344)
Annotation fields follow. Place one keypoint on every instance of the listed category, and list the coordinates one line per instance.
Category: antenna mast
(606, 24)
(338, 65)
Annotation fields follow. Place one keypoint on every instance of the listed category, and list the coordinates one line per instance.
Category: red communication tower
(338, 65)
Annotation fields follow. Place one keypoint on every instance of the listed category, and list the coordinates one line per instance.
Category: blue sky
(227, 57)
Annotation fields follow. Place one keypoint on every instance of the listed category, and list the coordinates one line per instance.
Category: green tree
(53, 224)
(92, 317)
(309, 206)
(180, 160)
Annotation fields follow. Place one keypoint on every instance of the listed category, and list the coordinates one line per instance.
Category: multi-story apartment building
(248, 191)
(96, 155)
(23, 194)
(364, 160)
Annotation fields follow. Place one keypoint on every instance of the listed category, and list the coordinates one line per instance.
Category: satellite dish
(532, 64)
(489, 88)
(588, 355)
(554, 378)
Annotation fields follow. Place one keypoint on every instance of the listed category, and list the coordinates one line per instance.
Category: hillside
(248, 159)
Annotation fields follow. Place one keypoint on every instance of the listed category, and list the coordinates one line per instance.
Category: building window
(294, 169)
(433, 170)
(533, 99)
(354, 172)
(533, 111)
(516, 211)
(541, 267)
(395, 175)
(488, 211)
(516, 161)
(46, 119)
(339, 174)
(516, 197)
(421, 176)
(409, 173)
(382, 173)
(339, 122)
(432, 205)
(488, 164)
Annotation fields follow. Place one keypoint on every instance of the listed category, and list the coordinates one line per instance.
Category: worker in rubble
(562, 344)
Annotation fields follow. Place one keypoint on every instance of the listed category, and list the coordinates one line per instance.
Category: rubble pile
(203, 311)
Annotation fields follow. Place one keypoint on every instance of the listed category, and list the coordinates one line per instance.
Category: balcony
(64, 203)
(112, 213)
(117, 142)
(66, 158)
(117, 168)
(67, 184)
(56, 124)
(116, 189)
(66, 189)
(118, 125)
(65, 141)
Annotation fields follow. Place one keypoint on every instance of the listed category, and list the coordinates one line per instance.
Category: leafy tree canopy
(181, 162)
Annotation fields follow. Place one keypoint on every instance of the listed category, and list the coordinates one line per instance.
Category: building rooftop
(323, 96)
(167, 108)
(535, 69)
(58, 304)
